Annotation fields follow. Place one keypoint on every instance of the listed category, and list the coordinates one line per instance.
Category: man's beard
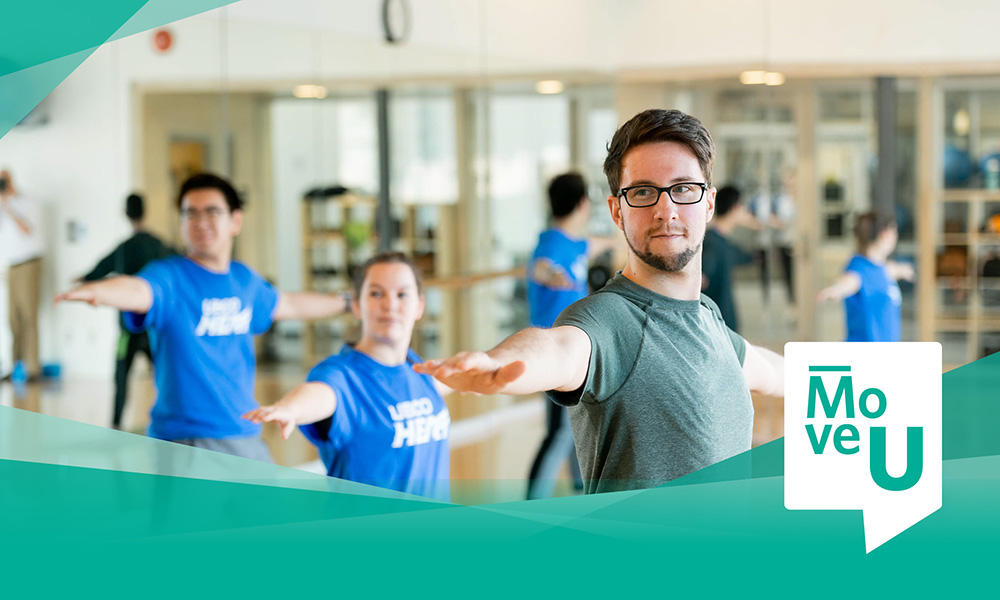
(667, 264)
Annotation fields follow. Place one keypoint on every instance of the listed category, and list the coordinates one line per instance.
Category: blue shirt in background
(873, 313)
(390, 428)
(201, 327)
(567, 256)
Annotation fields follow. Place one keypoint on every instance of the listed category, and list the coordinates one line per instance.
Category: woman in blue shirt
(372, 417)
(868, 285)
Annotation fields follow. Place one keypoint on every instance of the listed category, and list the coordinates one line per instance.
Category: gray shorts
(247, 447)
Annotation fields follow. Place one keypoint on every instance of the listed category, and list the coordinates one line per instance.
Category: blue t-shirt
(873, 313)
(201, 327)
(390, 428)
(566, 256)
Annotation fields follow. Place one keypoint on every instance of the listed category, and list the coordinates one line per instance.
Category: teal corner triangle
(46, 30)
(45, 41)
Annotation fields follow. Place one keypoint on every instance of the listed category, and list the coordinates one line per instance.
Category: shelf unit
(966, 302)
(958, 132)
(338, 233)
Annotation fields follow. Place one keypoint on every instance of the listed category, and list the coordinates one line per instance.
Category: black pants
(557, 448)
(785, 254)
(129, 344)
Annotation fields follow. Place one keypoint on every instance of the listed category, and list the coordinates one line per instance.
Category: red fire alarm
(163, 40)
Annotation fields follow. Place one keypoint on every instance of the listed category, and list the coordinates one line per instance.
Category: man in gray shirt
(658, 386)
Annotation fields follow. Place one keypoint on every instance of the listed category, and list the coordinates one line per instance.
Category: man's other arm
(764, 371)
(309, 305)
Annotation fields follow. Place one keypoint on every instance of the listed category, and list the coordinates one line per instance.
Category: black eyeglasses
(642, 196)
(212, 213)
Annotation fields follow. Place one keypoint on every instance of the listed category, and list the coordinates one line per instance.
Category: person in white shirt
(23, 246)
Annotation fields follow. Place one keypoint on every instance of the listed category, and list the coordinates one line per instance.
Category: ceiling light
(774, 79)
(549, 86)
(309, 91)
(752, 77)
(962, 122)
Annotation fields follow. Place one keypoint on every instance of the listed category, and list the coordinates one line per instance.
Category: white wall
(622, 35)
(268, 40)
(78, 166)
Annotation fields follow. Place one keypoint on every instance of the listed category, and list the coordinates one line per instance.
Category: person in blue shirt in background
(868, 285)
(372, 417)
(557, 277)
(201, 312)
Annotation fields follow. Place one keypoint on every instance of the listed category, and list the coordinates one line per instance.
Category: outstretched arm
(308, 403)
(309, 305)
(125, 292)
(845, 286)
(764, 371)
(546, 273)
(900, 270)
(103, 268)
(530, 361)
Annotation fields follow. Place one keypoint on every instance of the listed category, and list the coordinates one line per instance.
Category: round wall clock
(395, 20)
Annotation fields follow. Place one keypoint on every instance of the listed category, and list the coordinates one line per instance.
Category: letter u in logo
(914, 460)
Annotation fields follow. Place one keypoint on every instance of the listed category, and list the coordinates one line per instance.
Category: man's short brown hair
(659, 125)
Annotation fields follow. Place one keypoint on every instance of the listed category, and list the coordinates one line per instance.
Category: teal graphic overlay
(43, 41)
(718, 530)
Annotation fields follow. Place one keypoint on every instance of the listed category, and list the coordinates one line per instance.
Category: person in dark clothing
(128, 259)
(719, 255)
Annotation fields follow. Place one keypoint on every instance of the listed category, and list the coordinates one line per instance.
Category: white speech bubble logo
(863, 432)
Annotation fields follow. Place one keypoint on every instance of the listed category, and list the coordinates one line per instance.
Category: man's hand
(900, 270)
(530, 361)
(826, 295)
(282, 415)
(548, 274)
(84, 293)
(845, 286)
(124, 292)
(473, 372)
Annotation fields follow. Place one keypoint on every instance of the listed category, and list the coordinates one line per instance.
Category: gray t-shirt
(665, 393)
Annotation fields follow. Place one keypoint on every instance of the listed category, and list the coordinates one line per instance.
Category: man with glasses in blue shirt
(201, 312)
(657, 385)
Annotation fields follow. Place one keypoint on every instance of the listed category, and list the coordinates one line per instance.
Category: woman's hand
(282, 415)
